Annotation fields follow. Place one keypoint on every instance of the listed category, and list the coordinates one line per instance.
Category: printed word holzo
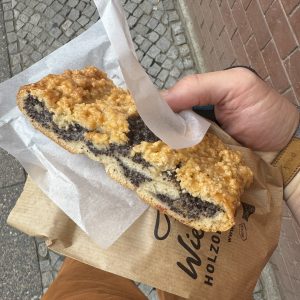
(193, 244)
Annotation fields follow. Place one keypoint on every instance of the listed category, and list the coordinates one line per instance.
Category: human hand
(247, 108)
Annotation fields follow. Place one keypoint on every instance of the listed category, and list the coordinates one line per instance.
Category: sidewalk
(33, 29)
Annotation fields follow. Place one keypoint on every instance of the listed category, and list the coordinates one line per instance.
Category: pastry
(84, 112)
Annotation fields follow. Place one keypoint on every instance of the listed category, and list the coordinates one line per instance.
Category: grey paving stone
(36, 42)
(83, 20)
(159, 84)
(55, 32)
(57, 44)
(184, 50)
(152, 78)
(23, 18)
(165, 19)
(28, 11)
(19, 25)
(173, 53)
(153, 295)
(58, 265)
(64, 1)
(21, 33)
(146, 62)
(75, 26)
(139, 39)
(127, 14)
(16, 13)
(258, 287)
(175, 72)
(137, 1)
(47, 278)
(173, 16)
(170, 82)
(48, 2)
(153, 36)
(146, 7)
(49, 40)
(7, 6)
(168, 35)
(144, 19)
(177, 28)
(13, 48)
(11, 37)
(95, 16)
(88, 25)
(39, 240)
(153, 51)
(80, 31)
(258, 296)
(168, 4)
(139, 55)
(56, 6)
(160, 29)
(160, 6)
(132, 21)
(189, 72)
(160, 58)
(146, 289)
(36, 56)
(163, 75)
(188, 63)
(13, 3)
(154, 70)
(81, 6)
(168, 64)
(65, 10)
(49, 12)
(133, 33)
(152, 23)
(72, 3)
(141, 29)
(138, 13)
(33, 3)
(9, 26)
(43, 250)
(28, 27)
(57, 20)
(41, 7)
(164, 44)
(130, 7)
(36, 30)
(157, 14)
(8, 15)
(69, 33)
(45, 266)
(43, 47)
(18, 259)
(22, 43)
(16, 69)
(15, 59)
(179, 64)
(34, 20)
(180, 39)
(145, 45)
(20, 6)
(74, 14)
(89, 11)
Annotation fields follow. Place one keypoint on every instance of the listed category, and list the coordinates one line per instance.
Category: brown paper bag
(159, 251)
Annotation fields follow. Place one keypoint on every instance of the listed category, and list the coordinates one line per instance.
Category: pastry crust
(84, 112)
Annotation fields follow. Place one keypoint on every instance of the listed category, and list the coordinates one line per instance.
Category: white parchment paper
(79, 186)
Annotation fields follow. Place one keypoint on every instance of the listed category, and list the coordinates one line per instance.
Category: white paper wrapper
(79, 186)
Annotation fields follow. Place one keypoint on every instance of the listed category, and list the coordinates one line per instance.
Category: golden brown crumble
(90, 99)
(209, 168)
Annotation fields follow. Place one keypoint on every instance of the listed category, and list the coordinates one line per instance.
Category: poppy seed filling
(186, 205)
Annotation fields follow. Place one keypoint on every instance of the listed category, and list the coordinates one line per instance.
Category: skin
(248, 109)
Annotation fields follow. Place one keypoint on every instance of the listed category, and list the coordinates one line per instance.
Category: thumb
(208, 88)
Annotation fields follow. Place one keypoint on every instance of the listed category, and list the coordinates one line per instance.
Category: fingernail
(164, 93)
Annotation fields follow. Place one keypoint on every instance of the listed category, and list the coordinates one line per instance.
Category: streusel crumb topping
(90, 99)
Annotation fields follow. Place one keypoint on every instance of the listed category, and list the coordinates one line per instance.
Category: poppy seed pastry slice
(84, 112)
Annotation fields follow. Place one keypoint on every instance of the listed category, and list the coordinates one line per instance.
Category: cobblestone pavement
(34, 29)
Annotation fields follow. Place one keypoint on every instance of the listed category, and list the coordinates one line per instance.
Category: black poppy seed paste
(186, 205)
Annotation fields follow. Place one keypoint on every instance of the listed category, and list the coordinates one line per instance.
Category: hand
(247, 108)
